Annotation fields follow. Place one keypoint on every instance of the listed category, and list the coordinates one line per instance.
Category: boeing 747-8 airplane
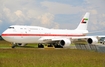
(21, 35)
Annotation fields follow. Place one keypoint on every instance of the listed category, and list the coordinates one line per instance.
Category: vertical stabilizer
(84, 22)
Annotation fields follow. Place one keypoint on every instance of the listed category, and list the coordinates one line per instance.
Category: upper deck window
(11, 27)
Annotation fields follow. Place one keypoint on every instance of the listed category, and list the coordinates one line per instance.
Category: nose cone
(5, 36)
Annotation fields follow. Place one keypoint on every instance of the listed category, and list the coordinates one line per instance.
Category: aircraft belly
(23, 39)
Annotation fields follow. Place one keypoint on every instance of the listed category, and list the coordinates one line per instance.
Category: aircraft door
(23, 32)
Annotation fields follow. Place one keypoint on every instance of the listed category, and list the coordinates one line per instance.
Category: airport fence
(96, 47)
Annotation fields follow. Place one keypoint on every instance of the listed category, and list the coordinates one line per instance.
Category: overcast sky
(64, 14)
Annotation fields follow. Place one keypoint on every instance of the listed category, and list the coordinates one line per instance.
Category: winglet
(84, 22)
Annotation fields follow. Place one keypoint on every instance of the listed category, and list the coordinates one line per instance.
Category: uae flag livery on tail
(84, 20)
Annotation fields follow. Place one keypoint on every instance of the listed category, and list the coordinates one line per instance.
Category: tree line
(1, 38)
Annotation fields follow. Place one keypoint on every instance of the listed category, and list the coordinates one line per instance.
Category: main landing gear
(40, 46)
(58, 46)
(50, 45)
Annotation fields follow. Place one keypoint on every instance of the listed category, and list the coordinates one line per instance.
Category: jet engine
(92, 40)
(65, 43)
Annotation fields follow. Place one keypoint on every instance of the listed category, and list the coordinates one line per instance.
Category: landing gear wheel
(40, 46)
(57, 46)
(50, 45)
(13, 46)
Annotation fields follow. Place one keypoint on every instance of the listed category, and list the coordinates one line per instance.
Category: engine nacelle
(21, 44)
(65, 43)
(92, 40)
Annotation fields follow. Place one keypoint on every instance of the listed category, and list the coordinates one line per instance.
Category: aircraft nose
(4, 34)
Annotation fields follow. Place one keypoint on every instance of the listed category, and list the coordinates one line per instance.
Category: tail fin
(84, 22)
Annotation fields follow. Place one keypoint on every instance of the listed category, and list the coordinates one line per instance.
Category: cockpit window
(11, 27)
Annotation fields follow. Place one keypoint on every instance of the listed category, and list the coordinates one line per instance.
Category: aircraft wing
(83, 37)
(51, 39)
(60, 38)
(89, 39)
(86, 37)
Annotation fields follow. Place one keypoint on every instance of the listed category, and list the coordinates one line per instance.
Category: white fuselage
(33, 34)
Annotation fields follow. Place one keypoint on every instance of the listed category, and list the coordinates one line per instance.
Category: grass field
(49, 57)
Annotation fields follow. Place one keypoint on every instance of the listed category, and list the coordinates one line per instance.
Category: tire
(13, 46)
(40, 46)
(50, 45)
